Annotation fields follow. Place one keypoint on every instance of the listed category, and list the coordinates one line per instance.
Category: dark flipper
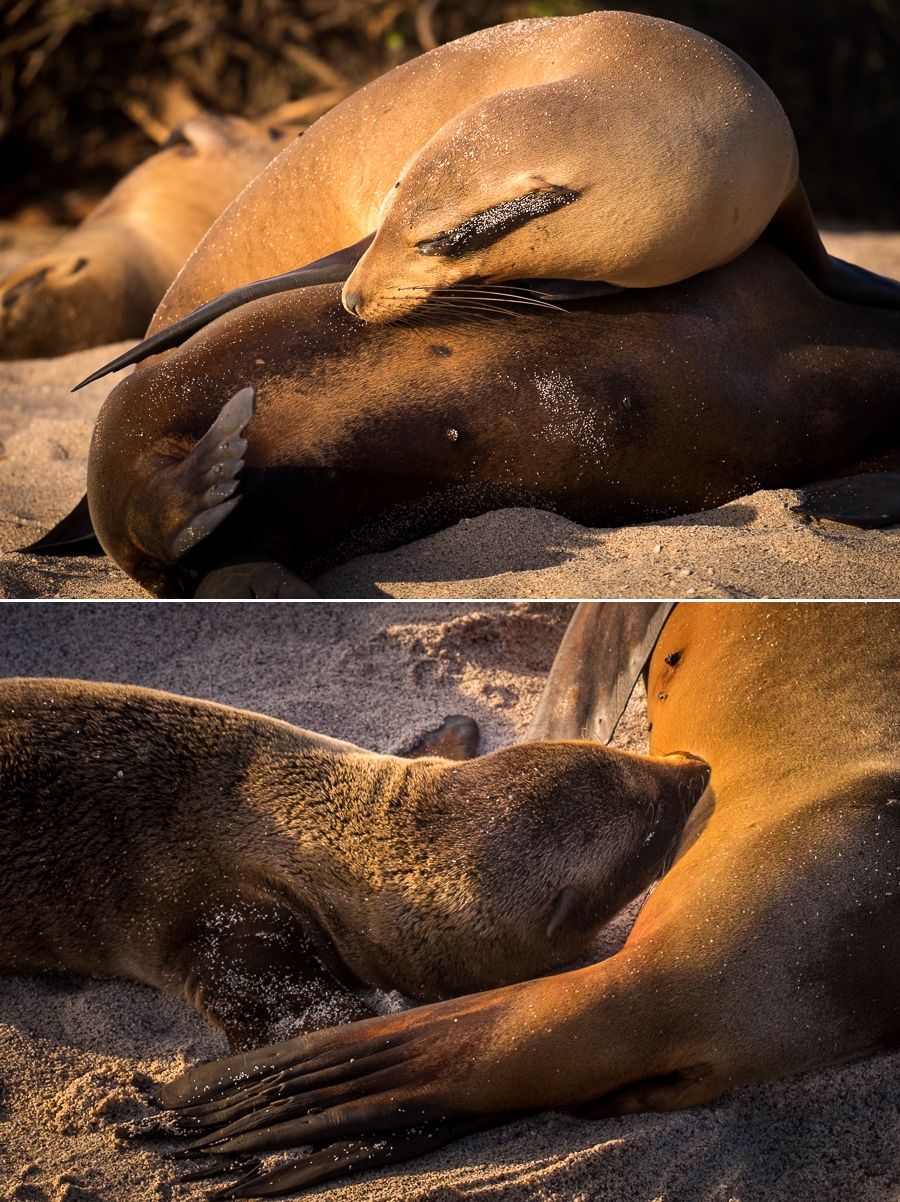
(869, 500)
(557, 290)
(253, 576)
(794, 231)
(332, 269)
(456, 738)
(74, 535)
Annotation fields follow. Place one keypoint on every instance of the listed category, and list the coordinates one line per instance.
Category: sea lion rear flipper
(869, 500)
(74, 535)
(349, 1156)
(254, 576)
(332, 269)
(206, 480)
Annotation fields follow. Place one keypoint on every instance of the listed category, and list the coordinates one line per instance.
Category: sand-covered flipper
(869, 500)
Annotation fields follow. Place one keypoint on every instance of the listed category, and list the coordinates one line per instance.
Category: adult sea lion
(583, 154)
(262, 872)
(767, 949)
(619, 409)
(103, 281)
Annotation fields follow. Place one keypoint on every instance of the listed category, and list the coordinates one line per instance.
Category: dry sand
(753, 547)
(78, 1056)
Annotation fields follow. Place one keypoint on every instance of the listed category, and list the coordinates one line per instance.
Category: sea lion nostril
(351, 300)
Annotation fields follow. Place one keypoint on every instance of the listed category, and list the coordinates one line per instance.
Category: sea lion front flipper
(254, 576)
(601, 656)
(557, 290)
(349, 1156)
(794, 231)
(332, 269)
(74, 535)
(869, 500)
(456, 738)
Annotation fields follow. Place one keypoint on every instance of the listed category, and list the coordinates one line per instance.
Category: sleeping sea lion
(619, 409)
(262, 872)
(767, 949)
(572, 155)
(102, 282)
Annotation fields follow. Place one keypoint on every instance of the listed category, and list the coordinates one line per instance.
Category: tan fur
(262, 872)
(768, 949)
(680, 152)
(102, 282)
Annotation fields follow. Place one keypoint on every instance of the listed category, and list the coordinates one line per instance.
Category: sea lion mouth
(493, 224)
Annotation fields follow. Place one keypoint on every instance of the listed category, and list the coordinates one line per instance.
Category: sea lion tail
(210, 472)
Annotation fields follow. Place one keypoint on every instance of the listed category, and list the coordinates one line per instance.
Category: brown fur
(262, 872)
(673, 400)
(767, 948)
(102, 282)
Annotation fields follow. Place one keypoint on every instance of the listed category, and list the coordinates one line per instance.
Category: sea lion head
(462, 877)
(102, 282)
(495, 195)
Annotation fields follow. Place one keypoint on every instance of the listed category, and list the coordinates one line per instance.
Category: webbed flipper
(868, 501)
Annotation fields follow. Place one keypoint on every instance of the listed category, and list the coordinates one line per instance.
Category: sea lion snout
(521, 856)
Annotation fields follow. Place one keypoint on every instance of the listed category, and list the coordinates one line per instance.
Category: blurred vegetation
(89, 87)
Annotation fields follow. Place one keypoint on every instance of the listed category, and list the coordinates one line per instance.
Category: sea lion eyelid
(489, 226)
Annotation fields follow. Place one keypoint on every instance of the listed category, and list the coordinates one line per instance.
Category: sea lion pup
(102, 282)
(767, 949)
(261, 872)
(573, 155)
(365, 437)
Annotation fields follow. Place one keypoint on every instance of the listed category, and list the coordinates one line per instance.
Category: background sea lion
(620, 409)
(764, 951)
(103, 281)
(262, 872)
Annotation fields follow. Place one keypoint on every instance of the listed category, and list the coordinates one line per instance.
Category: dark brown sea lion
(621, 409)
(102, 282)
(262, 872)
(767, 949)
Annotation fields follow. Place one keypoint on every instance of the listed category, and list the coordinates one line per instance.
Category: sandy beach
(79, 1056)
(752, 547)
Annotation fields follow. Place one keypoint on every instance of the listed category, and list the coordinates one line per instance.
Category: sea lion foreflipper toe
(206, 479)
(349, 1156)
(456, 738)
(74, 535)
(869, 500)
(332, 269)
(254, 576)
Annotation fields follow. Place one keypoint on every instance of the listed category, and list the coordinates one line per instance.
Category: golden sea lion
(262, 872)
(621, 409)
(767, 949)
(102, 282)
(572, 155)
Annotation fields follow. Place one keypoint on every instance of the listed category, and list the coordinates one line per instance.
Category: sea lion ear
(206, 132)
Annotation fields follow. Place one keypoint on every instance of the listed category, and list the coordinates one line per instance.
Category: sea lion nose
(351, 300)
